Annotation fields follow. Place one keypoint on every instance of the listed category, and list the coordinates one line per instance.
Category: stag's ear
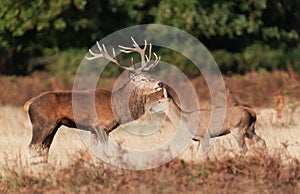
(132, 76)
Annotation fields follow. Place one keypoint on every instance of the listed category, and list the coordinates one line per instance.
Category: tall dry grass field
(15, 130)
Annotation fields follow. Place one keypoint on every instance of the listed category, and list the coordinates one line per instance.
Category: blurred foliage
(242, 35)
(40, 24)
(66, 64)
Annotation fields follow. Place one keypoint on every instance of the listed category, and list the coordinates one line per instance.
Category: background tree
(242, 35)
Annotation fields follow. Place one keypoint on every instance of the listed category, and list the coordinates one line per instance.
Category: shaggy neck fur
(128, 103)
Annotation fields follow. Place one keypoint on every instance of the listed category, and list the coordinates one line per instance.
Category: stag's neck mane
(128, 103)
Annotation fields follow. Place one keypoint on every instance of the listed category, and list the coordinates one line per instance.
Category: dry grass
(240, 174)
(222, 170)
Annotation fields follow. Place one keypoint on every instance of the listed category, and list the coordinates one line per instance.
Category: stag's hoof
(38, 155)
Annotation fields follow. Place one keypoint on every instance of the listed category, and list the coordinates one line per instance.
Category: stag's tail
(27, 104)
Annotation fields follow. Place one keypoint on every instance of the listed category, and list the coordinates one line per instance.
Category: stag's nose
(160, 84)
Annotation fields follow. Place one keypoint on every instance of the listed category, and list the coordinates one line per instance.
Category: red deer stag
(239, 120)
(52, 109)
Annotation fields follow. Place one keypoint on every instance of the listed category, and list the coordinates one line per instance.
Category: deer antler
(145, 60)
(103, 53)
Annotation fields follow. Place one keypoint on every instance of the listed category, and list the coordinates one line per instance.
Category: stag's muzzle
(160, 86)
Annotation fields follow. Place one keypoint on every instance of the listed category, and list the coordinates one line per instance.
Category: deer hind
(239, 120)
(52, 109)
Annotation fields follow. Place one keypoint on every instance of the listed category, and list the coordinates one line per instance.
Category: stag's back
(235, 117)
(63, 105)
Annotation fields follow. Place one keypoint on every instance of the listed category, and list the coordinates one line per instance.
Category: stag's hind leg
(42, 136)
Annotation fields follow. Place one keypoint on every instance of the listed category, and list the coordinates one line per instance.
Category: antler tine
(150, 51)
(99, 46)
(144, 64)
(136, 48)
(114, 53)
(157, 59)
(95, 56)
(132, 62)
(103, 53)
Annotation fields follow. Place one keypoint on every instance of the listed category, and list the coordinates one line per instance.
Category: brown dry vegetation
(239, 174)
(255, 88)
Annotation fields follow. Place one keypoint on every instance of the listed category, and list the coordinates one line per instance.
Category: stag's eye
(144, 80)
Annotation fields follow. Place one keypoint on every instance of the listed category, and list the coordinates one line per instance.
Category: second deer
(239, 120)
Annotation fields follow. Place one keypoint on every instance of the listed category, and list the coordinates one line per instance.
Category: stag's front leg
(198, 140)
(204, 142)
(100, 134)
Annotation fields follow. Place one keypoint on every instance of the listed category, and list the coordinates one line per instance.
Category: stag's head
(141, 86)
(138, 77)
(145, 84)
